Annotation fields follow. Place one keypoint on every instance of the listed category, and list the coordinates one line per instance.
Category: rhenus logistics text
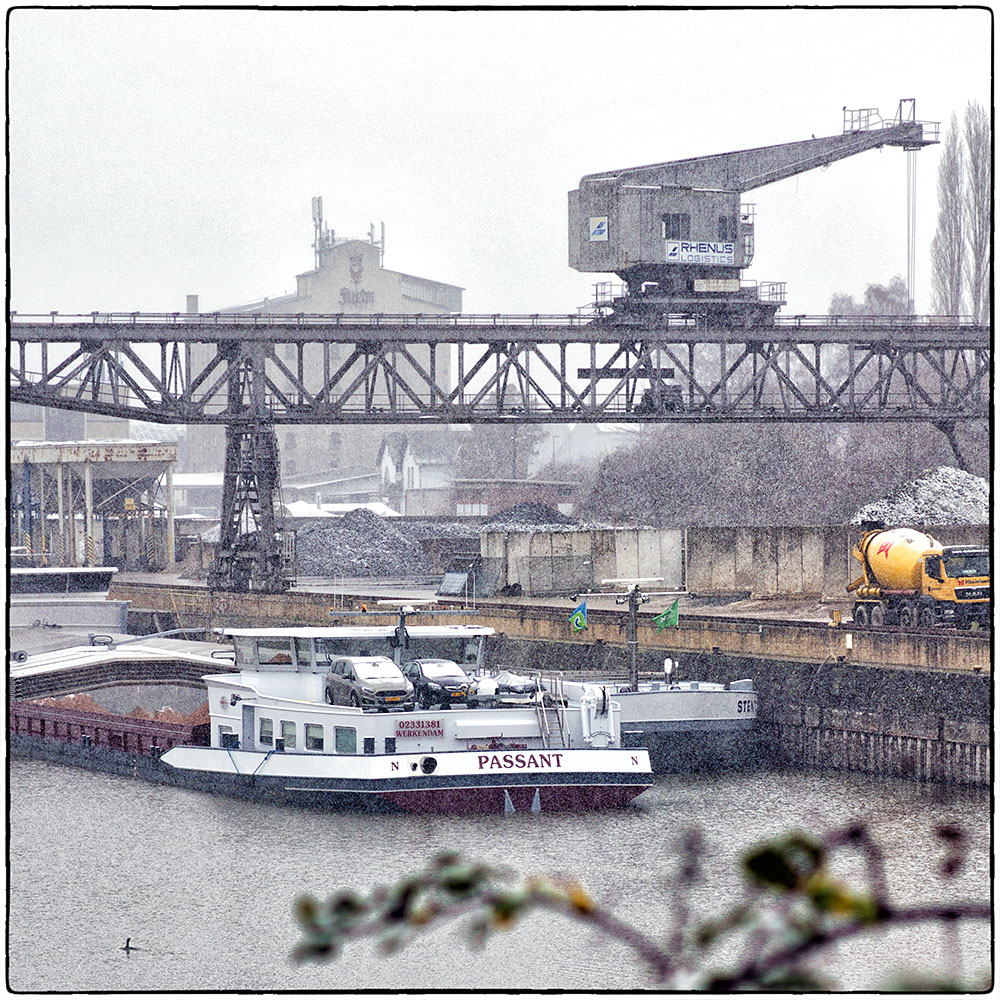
(690, 252)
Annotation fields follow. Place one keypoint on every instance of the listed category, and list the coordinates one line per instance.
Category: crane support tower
(679, 233)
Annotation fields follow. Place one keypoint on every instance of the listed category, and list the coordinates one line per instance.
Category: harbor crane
(679, 233)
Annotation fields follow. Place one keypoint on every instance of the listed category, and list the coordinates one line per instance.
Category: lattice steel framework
(493, 369)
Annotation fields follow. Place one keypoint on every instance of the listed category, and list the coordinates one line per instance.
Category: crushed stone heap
(359, 544)
(530, 517)
(944, 495)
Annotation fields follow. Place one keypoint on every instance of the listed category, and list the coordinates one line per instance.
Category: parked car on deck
(437, 682)
(368, 682)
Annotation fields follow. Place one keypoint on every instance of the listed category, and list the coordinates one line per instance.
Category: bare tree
(976, 217)
(948, 246)
(880, 300)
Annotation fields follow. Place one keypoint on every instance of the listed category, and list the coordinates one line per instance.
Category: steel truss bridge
(250, 372)
(220, 368)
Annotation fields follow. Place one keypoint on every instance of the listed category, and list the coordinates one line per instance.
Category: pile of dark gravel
(358, 544)
(531, 517)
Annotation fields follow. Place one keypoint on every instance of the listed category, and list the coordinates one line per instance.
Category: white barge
(274, 736)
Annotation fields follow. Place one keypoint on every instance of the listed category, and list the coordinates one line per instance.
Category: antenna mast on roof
(323, 238)
(379, 243)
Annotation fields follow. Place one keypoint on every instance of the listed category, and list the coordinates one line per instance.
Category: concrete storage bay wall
(547, 562)
(789, 561)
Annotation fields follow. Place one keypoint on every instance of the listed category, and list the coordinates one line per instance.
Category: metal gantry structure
(226, 368)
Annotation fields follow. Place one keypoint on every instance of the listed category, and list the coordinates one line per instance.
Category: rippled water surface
(205, 884)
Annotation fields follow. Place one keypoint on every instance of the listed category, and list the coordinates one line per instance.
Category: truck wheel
(861, 615)
(908, 615)
(877, 616)
(927, 615)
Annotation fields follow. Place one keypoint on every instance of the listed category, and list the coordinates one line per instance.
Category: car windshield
(968, 564)
(375, 669)
(440, 668)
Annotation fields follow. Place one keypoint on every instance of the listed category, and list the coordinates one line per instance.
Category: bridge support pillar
(249, 556)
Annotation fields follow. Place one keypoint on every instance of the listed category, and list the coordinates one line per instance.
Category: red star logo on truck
(884, 547)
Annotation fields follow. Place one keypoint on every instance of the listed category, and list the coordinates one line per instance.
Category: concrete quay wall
(923, 724)
(165, 607)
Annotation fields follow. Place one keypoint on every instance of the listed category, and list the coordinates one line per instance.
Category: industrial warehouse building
(348, 277)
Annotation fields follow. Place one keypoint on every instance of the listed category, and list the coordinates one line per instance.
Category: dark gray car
(368, 682)
(437, 682)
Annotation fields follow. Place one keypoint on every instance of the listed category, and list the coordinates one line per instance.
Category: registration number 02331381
(746, 706)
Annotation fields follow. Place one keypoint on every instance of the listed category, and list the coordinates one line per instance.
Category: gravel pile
(358, 544)
(531, 517)
(944, 495)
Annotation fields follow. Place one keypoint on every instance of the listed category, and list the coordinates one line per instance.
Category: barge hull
(444, 794)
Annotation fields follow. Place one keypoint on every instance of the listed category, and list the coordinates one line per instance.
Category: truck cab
(958, 580)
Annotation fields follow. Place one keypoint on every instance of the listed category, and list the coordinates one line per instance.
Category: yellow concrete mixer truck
(910, 578)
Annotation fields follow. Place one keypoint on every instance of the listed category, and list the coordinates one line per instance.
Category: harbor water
(205, 885)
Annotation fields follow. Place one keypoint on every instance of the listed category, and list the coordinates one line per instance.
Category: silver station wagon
(370, 682)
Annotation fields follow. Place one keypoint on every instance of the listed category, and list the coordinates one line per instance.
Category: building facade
(349, 278)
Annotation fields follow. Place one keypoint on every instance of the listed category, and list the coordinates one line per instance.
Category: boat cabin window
(274, 650)
(303, 652)
(345, 739)
(246, 650)
(267, 732)
(314, 736)
(288, 734)
(324, 653)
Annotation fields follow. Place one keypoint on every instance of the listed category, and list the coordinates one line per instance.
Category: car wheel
(328, 696)
(355, 700)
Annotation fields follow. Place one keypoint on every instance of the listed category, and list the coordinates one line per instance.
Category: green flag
(579, 617)
(668, 617)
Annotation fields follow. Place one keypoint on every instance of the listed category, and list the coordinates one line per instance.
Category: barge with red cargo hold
(273, 734)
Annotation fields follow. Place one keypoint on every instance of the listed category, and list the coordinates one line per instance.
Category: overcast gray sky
(159, 153)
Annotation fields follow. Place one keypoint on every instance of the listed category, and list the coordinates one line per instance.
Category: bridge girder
(498, 369)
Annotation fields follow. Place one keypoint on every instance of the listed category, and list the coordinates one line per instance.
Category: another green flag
(668, 617)
(579, 617)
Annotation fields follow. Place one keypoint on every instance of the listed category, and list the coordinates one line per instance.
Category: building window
(409, 478)
(288, 734)
(345, 739)
(676, 226)
(267, 732)
(314, 736)
(727, 228)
